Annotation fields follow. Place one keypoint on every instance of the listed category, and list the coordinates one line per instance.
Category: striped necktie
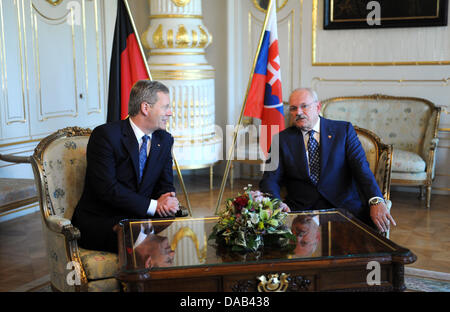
(143, 156)
(314, 159)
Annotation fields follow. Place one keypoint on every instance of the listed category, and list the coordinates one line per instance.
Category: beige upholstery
(409, 124)
(379, 157)
(59, 166)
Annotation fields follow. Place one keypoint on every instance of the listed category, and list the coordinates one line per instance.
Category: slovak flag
(265, 100)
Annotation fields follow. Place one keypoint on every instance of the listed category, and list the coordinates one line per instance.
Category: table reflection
(178, 243)
(307, 230)
(153, 252)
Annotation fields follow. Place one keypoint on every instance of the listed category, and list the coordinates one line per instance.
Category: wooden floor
(425, 232)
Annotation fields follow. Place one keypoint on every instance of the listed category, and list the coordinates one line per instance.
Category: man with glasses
(129, 169)
(323, 165)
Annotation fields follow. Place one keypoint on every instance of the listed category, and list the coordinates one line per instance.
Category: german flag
(127, 65)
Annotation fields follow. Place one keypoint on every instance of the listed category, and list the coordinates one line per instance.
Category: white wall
(53, 72)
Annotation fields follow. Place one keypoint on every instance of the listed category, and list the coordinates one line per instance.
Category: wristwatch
(376, 201)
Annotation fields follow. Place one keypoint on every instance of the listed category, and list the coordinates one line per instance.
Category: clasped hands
(167, 205)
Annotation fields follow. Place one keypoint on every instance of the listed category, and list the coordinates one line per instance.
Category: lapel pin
(329, 136)
(159, 145)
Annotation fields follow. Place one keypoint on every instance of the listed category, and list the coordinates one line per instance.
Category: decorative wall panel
(52, 70)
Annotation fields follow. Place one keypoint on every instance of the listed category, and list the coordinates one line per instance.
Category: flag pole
(177, 167)
(241, 115)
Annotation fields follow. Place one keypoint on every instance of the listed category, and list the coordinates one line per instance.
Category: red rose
(240, 202)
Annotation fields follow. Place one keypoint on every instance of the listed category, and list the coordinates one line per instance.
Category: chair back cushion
(63, 169)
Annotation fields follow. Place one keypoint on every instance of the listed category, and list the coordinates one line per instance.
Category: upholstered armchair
(379, 157)
(409, 124)
(59, 166)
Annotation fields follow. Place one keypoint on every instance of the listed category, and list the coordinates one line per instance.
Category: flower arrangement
(252, 220)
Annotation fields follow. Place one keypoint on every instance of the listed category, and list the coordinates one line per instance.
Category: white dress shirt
(316, 128)
(139, 134)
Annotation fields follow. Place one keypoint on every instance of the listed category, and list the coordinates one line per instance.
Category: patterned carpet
(426, 281)
(416, 280)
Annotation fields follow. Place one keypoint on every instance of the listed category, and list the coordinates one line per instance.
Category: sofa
(409, 124)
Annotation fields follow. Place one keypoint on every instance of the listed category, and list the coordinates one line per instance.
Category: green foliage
(250, 221)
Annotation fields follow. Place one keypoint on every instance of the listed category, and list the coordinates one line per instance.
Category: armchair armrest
(15, 159)
(382, 174)
(57, 223)
(388, 205)
(434, 143)
(64, 226)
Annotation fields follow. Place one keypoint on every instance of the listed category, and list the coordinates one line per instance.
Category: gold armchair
(59, 167)
(379, 157)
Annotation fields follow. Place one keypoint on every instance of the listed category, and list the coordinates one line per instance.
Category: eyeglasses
(303, 107)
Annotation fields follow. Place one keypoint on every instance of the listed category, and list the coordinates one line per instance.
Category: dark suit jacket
(112, 191)
(345, 178)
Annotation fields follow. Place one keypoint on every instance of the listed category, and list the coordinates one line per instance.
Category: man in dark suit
(129, 169)
(323, 165)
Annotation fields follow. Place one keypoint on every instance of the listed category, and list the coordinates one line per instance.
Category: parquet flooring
(425, 232)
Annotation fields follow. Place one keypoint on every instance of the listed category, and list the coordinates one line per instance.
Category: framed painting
(351, 14)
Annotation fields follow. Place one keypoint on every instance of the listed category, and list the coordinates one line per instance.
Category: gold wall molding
(19, 142)
(279, 6)
(54, 2)
(181, 3)
(444, 81)
(192, 74)
(393, 63)
(185, 37)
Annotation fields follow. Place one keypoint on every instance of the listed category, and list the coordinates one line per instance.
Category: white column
(176, 40)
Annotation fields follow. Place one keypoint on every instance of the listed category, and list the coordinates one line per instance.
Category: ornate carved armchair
(379, 157)
(409, 124)
(59, 167)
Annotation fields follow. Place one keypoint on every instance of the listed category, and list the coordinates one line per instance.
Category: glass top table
(152, 252)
